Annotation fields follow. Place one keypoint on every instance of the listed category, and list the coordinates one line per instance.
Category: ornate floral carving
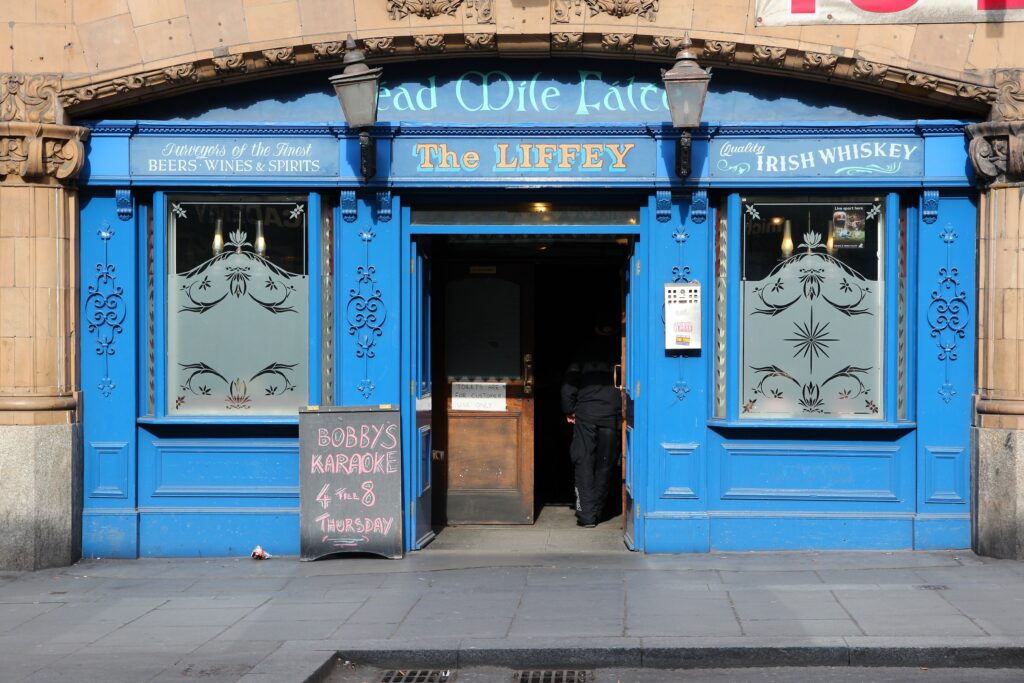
(566, 41)
(182, 72)
(332, 48)
(923, 81)
(428, 9)
(820, 62)
(37, 150)
(379, 46)
(619, 42)
(481, 41)
(872, 72)
(32, 99)
(429, 43)
(1009, 105)
(648, 9)
(230, 64)
(484, 11)
(280, 55)
(767, 55)
(996, 150)
(723, 50)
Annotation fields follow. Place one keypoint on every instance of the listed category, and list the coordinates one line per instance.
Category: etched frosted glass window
(813, 309)
(237, 306)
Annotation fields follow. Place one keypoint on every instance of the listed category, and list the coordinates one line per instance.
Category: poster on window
(797, 12)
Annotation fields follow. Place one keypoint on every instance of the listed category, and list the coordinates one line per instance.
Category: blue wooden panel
(217, 472)
(940, 531)
(109, 372)
(677, 533)
(231, 532)
(945, 365)
(682, 470)
(106, 158)
(680, 235)
(107, 472)
(367, 297)
(781, 470)
(806, 532)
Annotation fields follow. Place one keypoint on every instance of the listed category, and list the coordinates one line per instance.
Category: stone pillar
(40, 434)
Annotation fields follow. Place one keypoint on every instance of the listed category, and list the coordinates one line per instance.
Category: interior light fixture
(787, 240)
(218, 237)
(260, 244)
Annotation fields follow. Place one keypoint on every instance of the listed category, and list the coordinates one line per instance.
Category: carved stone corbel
(36, 152)
(996, 147)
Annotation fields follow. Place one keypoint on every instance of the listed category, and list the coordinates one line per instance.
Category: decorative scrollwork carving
(820, 62)
(30, 98)
(566, 41)
(127, 84)
(332, 48)
(1009, 104)
(923, 81)
(484, 11)
(428, 9)
(230, 64)
(722, 50)
(978, 93)
(481, 41)
(872, 72)
(182, 72)
(619, 42)
(379, 46)
(105, 310)
(667, 44)
(280, 55)
(948, 313)
(429, 43)
(767, 55)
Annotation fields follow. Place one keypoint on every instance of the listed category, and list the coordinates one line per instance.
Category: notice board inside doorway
(350, 481)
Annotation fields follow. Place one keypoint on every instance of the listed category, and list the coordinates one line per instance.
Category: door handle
(527, 373)
(617, 376)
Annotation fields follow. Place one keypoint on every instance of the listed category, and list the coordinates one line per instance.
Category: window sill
(219, 420)
(812, 424)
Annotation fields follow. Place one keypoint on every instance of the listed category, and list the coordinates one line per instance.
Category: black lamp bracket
(367, 155)
(683, 153)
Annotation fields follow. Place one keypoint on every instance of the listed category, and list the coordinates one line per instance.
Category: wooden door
(488, 344)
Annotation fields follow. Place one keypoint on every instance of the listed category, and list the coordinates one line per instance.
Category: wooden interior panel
(483, 451)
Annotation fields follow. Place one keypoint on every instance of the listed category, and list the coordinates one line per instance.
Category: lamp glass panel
(359, 102)
(686, 100)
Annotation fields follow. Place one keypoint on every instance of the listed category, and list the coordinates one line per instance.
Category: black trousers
(594, 454)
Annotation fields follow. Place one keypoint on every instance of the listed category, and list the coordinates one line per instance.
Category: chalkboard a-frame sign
(350, 481)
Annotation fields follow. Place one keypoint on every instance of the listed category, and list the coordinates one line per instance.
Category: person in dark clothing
(592, 404)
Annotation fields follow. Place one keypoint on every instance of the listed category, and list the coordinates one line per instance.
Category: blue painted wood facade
(700, 477)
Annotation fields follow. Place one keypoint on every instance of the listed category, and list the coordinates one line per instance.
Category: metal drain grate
(553, 676)
(417, 676)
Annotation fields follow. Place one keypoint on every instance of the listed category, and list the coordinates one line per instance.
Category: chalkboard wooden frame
(350, 481)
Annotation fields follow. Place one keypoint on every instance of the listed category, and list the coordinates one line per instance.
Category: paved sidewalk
(281, 620)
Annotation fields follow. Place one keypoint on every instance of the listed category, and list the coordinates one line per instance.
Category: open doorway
(509, 314)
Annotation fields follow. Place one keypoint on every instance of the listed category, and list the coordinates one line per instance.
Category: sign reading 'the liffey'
(523, 157)
(763, 158)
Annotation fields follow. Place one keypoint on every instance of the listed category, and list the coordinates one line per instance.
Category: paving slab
(223, 619)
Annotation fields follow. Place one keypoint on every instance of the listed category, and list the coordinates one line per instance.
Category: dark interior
(578, 284)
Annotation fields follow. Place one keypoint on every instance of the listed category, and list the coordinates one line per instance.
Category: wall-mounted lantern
(356, 88)
(686, 85)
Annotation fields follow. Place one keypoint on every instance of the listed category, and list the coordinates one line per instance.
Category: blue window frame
(235, 280)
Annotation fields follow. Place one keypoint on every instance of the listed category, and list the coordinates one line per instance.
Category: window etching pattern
(812, 333)
(237, 315)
